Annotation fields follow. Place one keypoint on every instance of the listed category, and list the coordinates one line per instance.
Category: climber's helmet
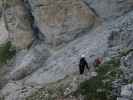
(82, 56)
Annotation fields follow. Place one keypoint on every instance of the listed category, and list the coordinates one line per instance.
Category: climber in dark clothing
(82, 64)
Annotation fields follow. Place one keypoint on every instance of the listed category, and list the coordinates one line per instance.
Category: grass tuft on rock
(2, 98)
(46, 94)
(125, 51)
(6, 52)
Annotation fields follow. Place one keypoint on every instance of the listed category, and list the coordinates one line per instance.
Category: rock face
(122, 34)
(70, 25)
(62, 20)
(127, 66)
(126, 92)
(110, 9)
(18, 23)
(3, 31)
(30, 62)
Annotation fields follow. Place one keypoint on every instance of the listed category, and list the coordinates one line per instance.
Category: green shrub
(6, 52)
(2, 98)
(94, 89)
(125, 51)
(106, 67)
(9, 3)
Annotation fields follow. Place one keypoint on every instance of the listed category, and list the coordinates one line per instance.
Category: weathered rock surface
(62, 20)
(68, 22)
(122, 34)
(126, 92)
(18, 23)
(30, 62)
(65, 62)
(110, 9)
(127, 66)
(3, 31)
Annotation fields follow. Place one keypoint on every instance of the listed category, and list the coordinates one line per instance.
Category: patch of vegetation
(94, 89)
(46, 94)
(125, 51)
(100, 87)
(40, 95)
(52, 91)
(2, 98)
(6, 52)
(10, 3)
(113, 64)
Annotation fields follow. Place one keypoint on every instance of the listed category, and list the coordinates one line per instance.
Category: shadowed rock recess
(41, 42)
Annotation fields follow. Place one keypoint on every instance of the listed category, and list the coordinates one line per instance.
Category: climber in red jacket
(97, 61)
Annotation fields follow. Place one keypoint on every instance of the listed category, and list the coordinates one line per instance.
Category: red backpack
(98, 61)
